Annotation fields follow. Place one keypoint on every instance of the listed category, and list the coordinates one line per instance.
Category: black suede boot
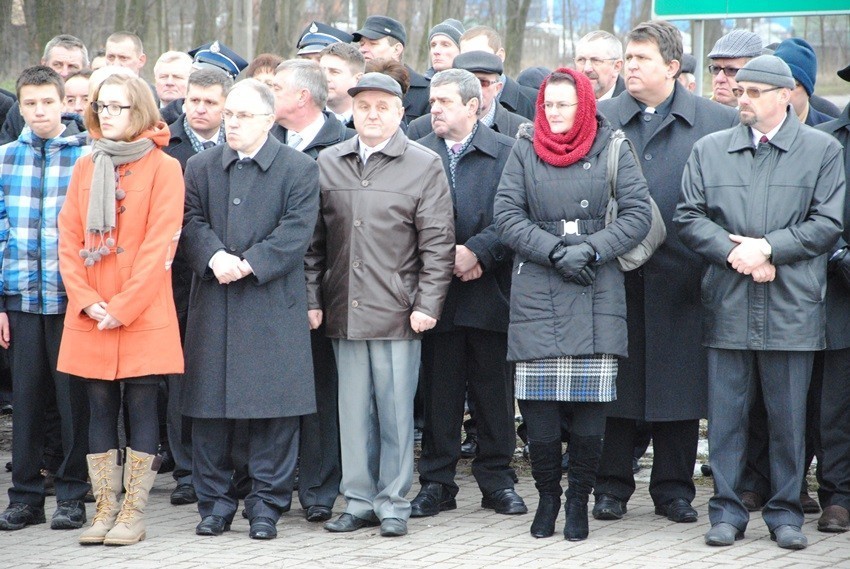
(546, 469)
(584, 461)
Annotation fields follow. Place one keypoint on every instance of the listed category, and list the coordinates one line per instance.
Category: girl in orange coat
(118, 231)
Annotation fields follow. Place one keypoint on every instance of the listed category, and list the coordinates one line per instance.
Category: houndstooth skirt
(589, 378)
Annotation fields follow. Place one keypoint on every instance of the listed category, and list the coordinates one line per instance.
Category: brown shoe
(752, 501)
(810, 505)
(834, 519)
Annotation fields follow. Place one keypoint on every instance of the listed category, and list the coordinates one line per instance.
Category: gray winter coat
(791, 192)
(550, 317)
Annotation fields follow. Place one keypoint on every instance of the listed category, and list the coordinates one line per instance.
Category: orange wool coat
(135, 283)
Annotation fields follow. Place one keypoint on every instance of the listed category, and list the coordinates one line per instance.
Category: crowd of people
(268, 285)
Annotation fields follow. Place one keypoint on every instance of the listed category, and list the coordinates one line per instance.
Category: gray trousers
(732, 376)
(377, 383)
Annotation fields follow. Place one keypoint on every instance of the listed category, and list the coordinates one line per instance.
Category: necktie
(763, 139)
(208, 144)
(293, 139)
(456, 148)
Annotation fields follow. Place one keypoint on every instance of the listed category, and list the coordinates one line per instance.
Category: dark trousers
(32, 357)
(544, 419)
(178, 426)
(319, 468)
(834, 466)
(448, 359)
(674, 445)
(272, 456)
(732, 381)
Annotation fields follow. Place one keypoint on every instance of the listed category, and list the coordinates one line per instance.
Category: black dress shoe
(393, 527)
(262, 528)
(318, 514)
(432, 499)
(19, 515)
(167, 464)
(678, 510)
(608, 507)
(349, 522)
(504, 501)
(469, 447)
(183, 494)
(212, 525)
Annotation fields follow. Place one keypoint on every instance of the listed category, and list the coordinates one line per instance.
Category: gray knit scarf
(100, 221)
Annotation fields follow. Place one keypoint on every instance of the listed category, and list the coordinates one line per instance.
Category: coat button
(357, 223)
(232, 248)
(647, 117)
(237, 201)
(584, 203)
(586, 166)
(647, 156)
(122, 209)
(239, 166)
(355, 304)
(355, 264)
(364, 183)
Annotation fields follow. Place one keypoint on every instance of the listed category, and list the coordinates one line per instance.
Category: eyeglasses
(561, 107)
(242, 115)
(112, 109)
(752, 92)
(727, 71)
(594, 61)
(486, 82)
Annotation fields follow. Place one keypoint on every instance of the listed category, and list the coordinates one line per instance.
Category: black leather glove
(573, 263)
(839, 265)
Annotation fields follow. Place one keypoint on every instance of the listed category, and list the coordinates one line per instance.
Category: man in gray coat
(251, 208)
(663, 382)
(377, 274)
(763, 204)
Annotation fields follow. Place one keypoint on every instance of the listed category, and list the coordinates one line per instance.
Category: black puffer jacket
(551, 317)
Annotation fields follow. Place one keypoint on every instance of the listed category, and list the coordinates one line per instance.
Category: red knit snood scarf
(571, 146)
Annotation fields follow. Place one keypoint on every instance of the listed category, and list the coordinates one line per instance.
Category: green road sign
(722, 9)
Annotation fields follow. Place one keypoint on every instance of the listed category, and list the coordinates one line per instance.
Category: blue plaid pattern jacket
(34, 177)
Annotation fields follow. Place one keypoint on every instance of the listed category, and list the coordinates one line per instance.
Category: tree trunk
(204, 29)
(267, 34)
(609, 13)
(517, 14)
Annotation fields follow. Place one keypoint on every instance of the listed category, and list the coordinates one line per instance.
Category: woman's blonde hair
(143, 110)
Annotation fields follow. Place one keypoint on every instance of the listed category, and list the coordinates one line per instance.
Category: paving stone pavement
(466, 538)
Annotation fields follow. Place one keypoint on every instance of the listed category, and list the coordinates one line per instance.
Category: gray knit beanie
(767, 69)
(737, 43)
(450, 28)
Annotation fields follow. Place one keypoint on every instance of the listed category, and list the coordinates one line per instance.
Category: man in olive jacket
(377, 273)
(763, 203)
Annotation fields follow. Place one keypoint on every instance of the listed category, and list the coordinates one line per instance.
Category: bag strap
(618, 137)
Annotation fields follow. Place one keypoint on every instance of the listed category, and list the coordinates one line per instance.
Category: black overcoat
(248, 342)
(665, 377)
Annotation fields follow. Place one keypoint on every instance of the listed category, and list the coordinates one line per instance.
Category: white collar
(309, 132)
(757, 135)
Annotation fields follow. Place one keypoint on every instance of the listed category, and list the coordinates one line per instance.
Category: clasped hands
(573, 263)
(99, 312)
(419, 321)
(748, 258)
(229, 268)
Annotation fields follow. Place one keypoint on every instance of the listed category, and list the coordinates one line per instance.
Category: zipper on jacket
(41, 225)
(519, 269)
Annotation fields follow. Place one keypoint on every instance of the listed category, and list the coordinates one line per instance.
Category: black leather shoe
(69, 514)
(393, 527)
(19, 515)
(262, 528)
(212, 525)
(183, 494)
(504, 501)
(167, 464)
(608, 507)
(349, 522)
(432, 499)
(318, 514)
(723, 534)
(809, 504)
(469, 447)
(678, 510)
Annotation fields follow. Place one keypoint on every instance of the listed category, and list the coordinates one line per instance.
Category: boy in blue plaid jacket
(35, 171)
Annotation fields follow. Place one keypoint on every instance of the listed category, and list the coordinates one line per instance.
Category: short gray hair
(306, 74)
(68, 42)
(172, 57)
(266, 95)
(614, 45)
(468, 85)
(209, 77)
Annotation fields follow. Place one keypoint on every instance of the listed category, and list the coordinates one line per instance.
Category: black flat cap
(689, 63)
(377, 27)
(480, 61)
(377, 82)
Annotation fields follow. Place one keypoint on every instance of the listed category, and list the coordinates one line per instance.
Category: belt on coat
(564, 227)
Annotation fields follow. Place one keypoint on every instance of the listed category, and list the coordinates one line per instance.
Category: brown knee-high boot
(105, 472)
(139, 475)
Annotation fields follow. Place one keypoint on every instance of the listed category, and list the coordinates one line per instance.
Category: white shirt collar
(450, 143)
(243, 156)
(366, 151)
(309, 132)
(609, 94)
(757, 135)
(201, 139)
